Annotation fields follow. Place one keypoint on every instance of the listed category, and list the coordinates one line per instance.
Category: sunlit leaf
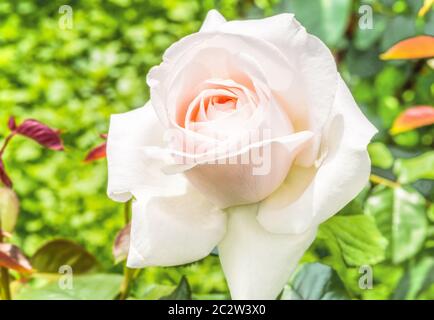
(40, 133)
(380, 155)
(122, 244)
(412, 169)
(59, 252)
(412, 48)
(412, 118)
(400, 216)
(84, 287)
(315, 281)
(9, 209)
(357, 237)
(11, 257)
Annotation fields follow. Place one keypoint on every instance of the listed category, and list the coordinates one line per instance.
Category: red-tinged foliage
(412, 118)
(3, 175)
(11, 257)
(40, 133)
(96, 153)
(12, 125)
(413, 48)
(121, 245)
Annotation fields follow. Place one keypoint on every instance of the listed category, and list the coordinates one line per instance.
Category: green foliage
(181, 292)
(354, 239)
(400, 215)
(60, 252)
(74, 79)
(315, 281)
(85, 287)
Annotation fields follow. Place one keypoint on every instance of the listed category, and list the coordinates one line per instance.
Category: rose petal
(306, 198)
(174, 230)
(212, 21)
(257, 264)
(315, 87)
(234, 182)
(129, 167)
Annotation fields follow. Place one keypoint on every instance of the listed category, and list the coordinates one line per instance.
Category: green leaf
(9, 209)
(84, 287)
(355, 238)
(380, 155)
(56, 253)
(400, 216)
(327, 19)
(315, 281)
(364, 39)
(182, 291)
(410, 170)
(418, 277)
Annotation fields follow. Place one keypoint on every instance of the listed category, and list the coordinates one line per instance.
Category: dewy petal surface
(257, 264)
(172, 223)
(340, 177)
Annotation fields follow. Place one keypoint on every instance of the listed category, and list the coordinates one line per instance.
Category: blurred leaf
(399, 28)
(12, 124)
(400, 216)
(9, 209)
(96, 153)
(41, 133)
(418, 277)
(413, 48)
(364, 39)
(430, 213)
(357, 238)
(11, 257)
(85, 287)
(4, 178)
(59, 252)
(326, 19)
(182, 291)
(380, 155)
(410, 170)
(315, 281)
(412, 118)
(121, 245)
(427, 4)
(363, 63)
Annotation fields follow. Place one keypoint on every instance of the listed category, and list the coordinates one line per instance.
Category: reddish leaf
(12, 124)
(412, 118)
(412, 48)
(3, 175)
(104, 136)
(121, 245)
(11, 257)
(41, 133)
(96, 153)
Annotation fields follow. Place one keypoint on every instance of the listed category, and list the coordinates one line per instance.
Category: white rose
(263, 87)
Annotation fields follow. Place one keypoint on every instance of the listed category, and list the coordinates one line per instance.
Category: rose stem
(5, 144)
(5, 277)
(383, 181)
(128, 273)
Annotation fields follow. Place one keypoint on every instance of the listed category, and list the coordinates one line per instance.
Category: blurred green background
(74, 79)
